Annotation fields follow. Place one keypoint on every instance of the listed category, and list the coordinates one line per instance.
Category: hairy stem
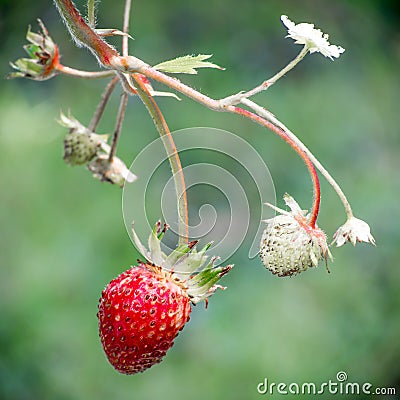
(102, 105)
(111, 59)
(125, 28)
(90, 11)
(83, 74)
(118, 125)
(83, 34)
(173, 157)
(236, 98)
(269, 116)
(288, 67)
(314, 176)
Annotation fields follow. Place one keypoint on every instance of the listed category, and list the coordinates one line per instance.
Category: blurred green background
(63, 237)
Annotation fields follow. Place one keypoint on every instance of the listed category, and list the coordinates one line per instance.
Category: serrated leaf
(186, 64)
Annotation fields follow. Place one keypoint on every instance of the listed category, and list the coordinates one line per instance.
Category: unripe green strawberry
(79, 148)
(289, 245)
(80, 144)
(143, 309)
(140, 314)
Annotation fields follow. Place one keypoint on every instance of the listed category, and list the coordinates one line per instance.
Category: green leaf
(186, 64)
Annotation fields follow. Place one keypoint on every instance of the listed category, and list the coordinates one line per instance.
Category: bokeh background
(63, 236)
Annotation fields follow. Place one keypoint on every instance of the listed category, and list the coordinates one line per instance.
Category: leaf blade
(186, 64)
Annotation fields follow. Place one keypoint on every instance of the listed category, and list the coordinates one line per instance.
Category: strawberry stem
(83, 74)
(102, 105)
(118, 125)
(125, 29)
(173, 157)
(90, 10)
(314, 176)
(83, 34)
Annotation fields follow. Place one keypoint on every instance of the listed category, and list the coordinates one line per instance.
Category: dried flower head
(44, 57)
(114, 171)
(314, 39)
(354, 230)
(289, 245)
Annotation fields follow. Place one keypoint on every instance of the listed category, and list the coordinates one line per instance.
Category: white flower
(314, 39)
(354, 230)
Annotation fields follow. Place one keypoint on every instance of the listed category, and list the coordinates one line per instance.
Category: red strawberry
(142, 310)
(140, 314)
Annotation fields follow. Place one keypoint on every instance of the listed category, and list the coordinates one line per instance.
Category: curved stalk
(288, 67)
(269, 116)
(314, 176)
(173, 157)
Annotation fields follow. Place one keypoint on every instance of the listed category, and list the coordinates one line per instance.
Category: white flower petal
(353, 231)
(314, 39)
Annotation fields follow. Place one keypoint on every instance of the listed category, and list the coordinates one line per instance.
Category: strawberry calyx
(186, 266)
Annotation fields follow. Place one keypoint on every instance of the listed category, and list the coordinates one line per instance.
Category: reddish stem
(300, 152)
(83, 33)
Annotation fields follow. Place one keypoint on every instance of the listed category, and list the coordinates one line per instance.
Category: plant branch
(102, 105)
(290, 66)
(130, 64)
(83, 74)
(269, 116)
(83, 34)
(314, 176)
(236, 98)
(125, 28)
(118, 125)
(170, 148)
(90, 10)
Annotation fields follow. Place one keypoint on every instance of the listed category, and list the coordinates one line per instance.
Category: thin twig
(102, 105)
(83, 74)
(118, 125)
(90, 10)
(125, 29)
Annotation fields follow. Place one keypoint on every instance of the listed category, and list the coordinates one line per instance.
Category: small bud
(44, 57)
(289, 245)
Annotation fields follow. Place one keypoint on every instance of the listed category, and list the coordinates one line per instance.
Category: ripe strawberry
(140, 314)
(143, 309)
